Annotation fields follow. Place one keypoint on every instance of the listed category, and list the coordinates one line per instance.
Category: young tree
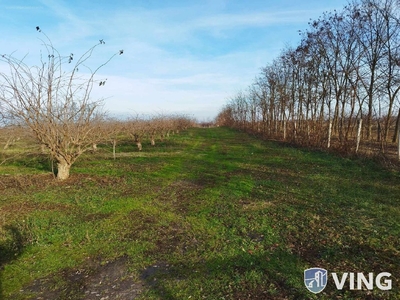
(53, 100)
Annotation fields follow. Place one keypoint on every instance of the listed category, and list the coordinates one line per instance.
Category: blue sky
(179, 56)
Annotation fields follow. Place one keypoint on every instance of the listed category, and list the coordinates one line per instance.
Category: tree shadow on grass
(38, 161)
(244, 276)
(11, 247)
(275, 275)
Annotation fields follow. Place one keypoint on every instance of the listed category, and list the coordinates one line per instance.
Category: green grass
(231, 216)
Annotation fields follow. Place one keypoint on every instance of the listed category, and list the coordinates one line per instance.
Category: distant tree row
(17, 140)
(338, 87)
(143, 128)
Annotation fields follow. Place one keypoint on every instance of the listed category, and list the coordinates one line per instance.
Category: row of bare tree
(16, 140)
(145, 128)
(340, 84)
(52, 100)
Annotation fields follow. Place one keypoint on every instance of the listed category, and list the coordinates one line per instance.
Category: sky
(185, 57)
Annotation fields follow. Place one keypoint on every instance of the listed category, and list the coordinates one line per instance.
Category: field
(210, 213)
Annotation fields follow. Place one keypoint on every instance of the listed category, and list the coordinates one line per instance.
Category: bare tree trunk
(335, 123)
(379, 131)
(63, 170)
(294, 131)
(329, 134)
(398, 143)
(359, 134)
(114, 142)
(396, 129)
(387, 121)
(284, 129)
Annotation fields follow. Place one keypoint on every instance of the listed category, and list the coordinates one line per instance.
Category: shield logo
(315, 279)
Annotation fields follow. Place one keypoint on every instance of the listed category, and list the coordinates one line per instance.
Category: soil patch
(42, 181)
(181, 195)
(95, 281)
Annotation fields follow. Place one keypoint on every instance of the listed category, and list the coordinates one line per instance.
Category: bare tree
(345, 69)
(113, 129)
(137, 129)
(53, 100)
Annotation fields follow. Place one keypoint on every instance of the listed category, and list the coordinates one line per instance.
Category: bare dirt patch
(42, 181)
(111, 280)
(21, 182)
(97, 281)
(181, 194)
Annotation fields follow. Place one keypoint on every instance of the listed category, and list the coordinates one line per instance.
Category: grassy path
(208, 214)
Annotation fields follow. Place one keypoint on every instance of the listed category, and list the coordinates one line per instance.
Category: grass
(208, 214)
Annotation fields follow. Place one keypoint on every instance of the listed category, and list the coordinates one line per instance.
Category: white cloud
(201, 87)
(253, 19)
(163, 67)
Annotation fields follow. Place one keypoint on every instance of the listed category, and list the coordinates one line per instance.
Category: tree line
(339, 86)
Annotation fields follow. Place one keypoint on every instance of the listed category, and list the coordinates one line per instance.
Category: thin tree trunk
(284, 129)
(329, 134)
(370, 102)
(387, 123)
(359, 134)
(379, 131)
(396, 129)
(114, 142)
(398, 143)
(294, 130)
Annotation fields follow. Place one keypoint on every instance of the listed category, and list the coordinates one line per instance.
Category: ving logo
(315, 279)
